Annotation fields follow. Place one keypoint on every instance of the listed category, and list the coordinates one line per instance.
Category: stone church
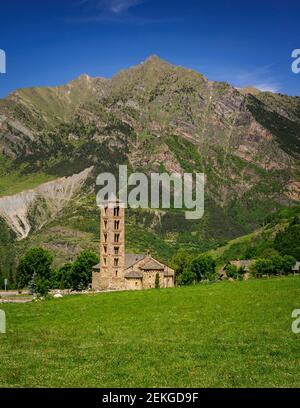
(118, 270)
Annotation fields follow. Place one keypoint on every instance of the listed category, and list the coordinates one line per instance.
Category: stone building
(118, 270)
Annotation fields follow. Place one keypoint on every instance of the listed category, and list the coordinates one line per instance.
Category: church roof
(131, 259)
(152, 265)
(134, 274)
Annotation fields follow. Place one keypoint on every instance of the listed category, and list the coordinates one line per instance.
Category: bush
(231, 271)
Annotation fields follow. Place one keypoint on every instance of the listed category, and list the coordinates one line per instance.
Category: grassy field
(218, 335)
(15, 183)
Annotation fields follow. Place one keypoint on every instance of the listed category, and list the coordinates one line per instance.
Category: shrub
(231, 271)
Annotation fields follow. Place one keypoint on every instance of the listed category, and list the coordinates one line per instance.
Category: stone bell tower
(112, 245)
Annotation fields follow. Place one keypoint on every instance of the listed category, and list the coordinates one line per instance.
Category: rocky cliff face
(34, 208)
(155, 117)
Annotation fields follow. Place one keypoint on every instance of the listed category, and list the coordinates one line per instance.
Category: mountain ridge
(157, 117)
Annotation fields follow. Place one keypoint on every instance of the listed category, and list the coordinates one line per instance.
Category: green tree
(62, 277)
(157, 283)
(179, 262)
(187, 277)
(263, 267)
(81, 272)
(35, 267)
(278, 264)
(288, 263)
(203, 267)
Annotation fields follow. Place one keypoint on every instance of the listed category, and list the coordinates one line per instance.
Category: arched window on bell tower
(112, 248)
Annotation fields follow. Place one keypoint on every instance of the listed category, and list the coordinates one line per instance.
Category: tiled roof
(152, 265)
(134, 274)
(131, 259)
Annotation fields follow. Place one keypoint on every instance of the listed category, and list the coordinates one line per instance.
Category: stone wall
(134, 284)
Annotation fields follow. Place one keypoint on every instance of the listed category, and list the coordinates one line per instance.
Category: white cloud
(267, 87)
(114, 11)
(262, 78)
(118, 6)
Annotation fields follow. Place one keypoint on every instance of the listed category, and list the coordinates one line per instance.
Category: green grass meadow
(229, 334)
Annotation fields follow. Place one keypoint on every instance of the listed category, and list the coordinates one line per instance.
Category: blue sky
(241, 42)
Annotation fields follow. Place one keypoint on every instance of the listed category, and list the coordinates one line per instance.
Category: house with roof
(118, 270)
(296, 267)
(245, 264)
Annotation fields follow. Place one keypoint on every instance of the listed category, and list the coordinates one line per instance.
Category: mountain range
(152, 117)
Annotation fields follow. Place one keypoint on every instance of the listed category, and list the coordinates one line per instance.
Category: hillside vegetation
(261, 242)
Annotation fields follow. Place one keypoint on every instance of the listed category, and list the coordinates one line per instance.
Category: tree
(179, 262)
(81, 272)
(157, 283)
(263, 267)
(203, 267)
(278, 264)
(62, 277)
(187, 277)
(35, 267)
(288, 263)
